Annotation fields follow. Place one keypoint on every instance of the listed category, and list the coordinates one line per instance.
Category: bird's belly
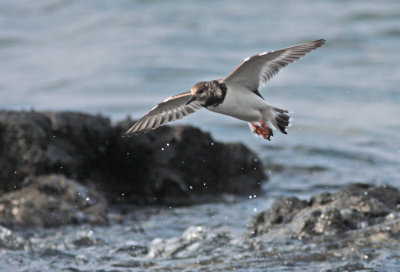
(241, 105)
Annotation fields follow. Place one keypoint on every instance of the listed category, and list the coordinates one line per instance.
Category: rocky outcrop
(181, 164)
(171, 165)
(34, 144)
(49, 201)
(359, 208)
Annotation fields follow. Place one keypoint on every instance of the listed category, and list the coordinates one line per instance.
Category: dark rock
(280, 213)
(50, 201)
(357, 207)
(180, 164)
(171, 165)
(34, 144)
(327, 221)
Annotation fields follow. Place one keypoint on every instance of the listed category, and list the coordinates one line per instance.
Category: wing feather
(171, 109)
(258, 69)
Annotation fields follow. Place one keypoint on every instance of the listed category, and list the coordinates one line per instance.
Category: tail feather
(282, 119)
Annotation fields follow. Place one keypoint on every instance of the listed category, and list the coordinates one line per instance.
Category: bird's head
(201, 91)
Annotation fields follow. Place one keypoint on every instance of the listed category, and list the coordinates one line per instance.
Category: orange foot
(263, 131)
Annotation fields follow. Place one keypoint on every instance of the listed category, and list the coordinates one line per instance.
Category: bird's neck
(217, 94)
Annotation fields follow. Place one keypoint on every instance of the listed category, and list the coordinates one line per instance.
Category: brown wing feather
(171, 109)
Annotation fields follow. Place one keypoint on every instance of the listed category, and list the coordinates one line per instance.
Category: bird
(237, 95)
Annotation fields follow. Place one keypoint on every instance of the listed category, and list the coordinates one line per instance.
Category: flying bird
(236, 95)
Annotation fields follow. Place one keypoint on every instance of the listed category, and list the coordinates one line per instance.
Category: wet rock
(357, 207)
(280, 213)
(171, 165)
(181, 165)
(34, 144)
(50, 201)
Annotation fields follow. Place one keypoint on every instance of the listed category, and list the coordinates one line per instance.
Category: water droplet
(167, 144)
(162, 148)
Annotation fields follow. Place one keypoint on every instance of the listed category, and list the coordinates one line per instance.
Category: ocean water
(120, 58)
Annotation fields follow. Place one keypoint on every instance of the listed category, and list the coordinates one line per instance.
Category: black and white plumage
(236, 95)
(169, 110)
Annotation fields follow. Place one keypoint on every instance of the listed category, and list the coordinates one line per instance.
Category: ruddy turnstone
(236, 95)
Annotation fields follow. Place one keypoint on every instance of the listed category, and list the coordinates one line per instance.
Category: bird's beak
(193, 98)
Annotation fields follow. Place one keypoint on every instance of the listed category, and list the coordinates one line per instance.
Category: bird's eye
(201, 91)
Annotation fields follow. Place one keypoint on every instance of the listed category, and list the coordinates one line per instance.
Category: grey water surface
(120, 58)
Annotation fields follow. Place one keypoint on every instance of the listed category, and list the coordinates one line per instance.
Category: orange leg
(264, 131)
(257, 129)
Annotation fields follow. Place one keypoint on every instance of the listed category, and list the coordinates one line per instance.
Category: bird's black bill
(193, 98)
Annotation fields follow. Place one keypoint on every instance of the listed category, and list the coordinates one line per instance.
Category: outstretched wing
(171, 109)
(258, 69)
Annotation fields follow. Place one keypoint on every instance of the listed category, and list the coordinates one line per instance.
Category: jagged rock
(53, 200)
(180, 164)
(280, 213)
(357, 207)
(34, 144)
(171, 165)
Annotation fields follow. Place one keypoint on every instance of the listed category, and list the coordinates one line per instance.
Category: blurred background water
(120, 58)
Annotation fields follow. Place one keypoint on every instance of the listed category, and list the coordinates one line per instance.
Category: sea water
(120, 58)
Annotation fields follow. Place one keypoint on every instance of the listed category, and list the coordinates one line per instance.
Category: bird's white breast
(242, 104)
